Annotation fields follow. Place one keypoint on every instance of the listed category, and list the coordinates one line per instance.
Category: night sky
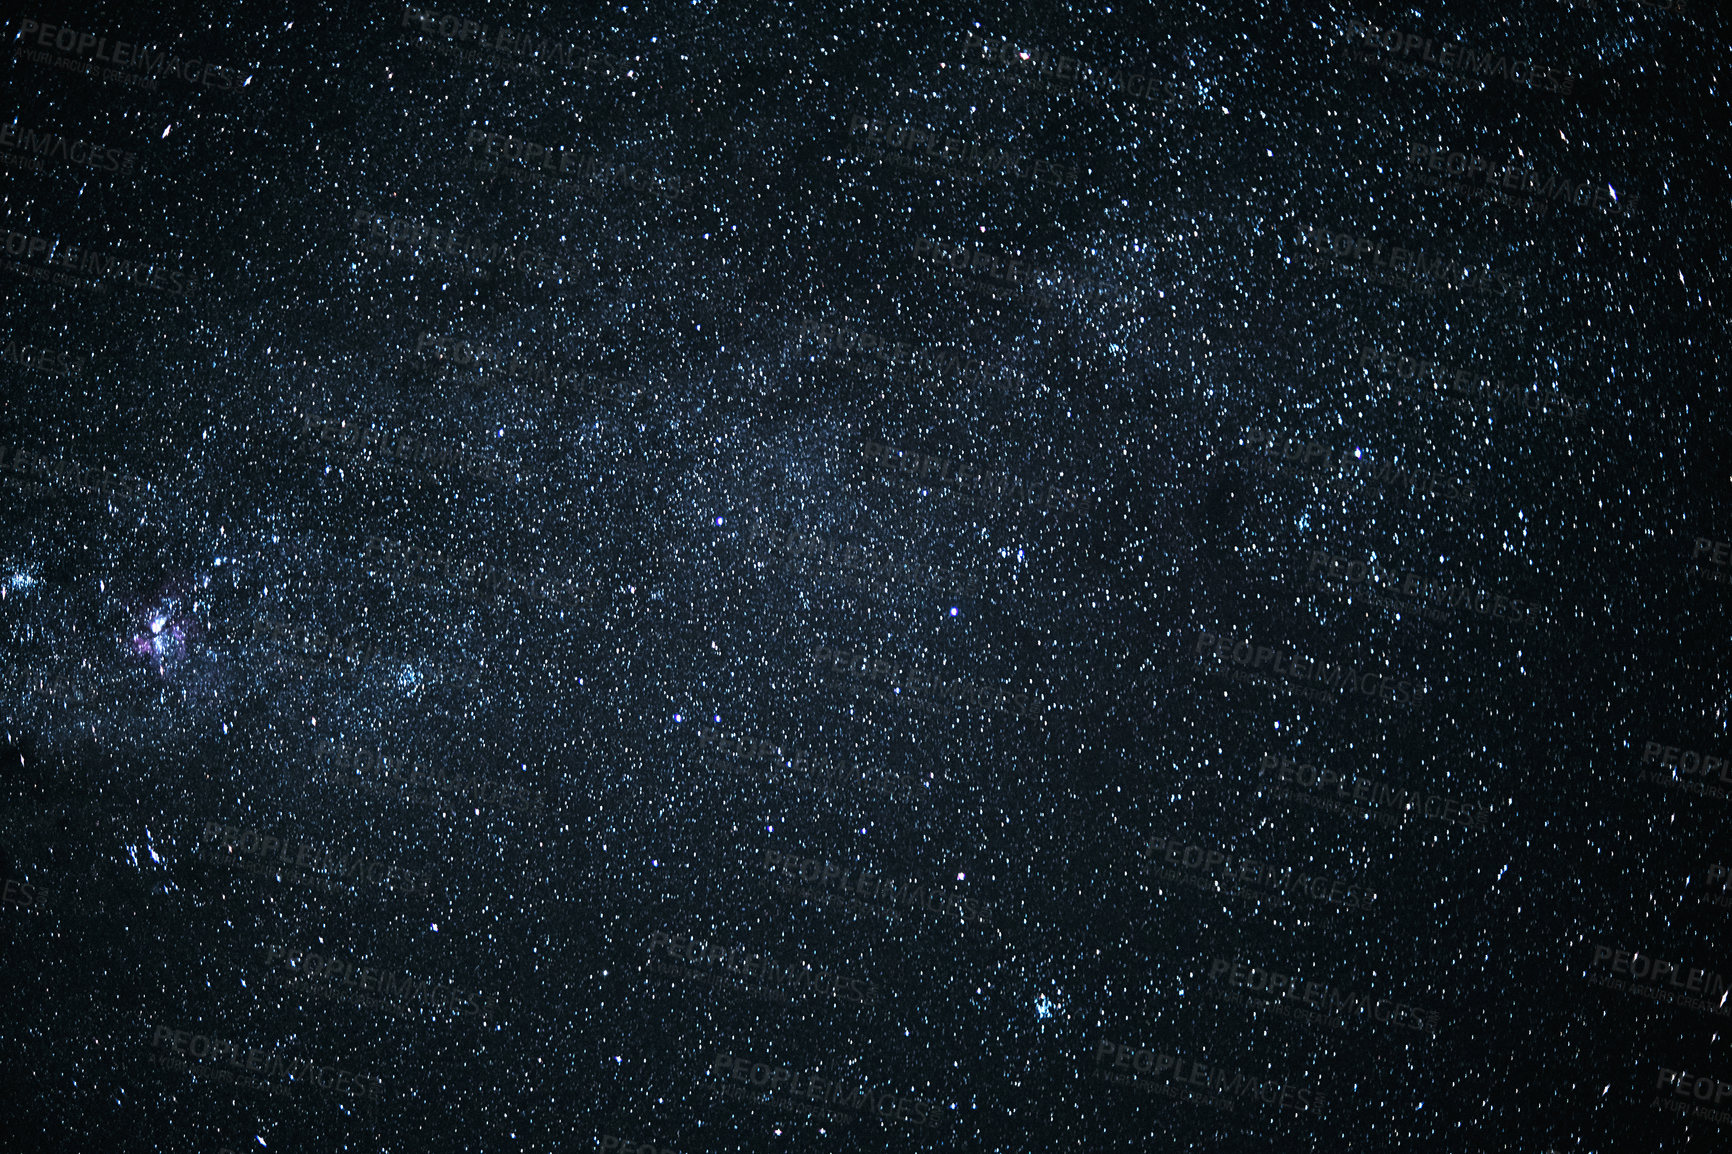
(705, 578)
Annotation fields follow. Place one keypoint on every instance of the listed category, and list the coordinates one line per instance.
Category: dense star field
(703, 578)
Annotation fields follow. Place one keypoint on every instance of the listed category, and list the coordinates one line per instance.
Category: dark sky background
(906, 553)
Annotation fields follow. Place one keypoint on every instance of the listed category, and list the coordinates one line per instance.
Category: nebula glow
(165, 631)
